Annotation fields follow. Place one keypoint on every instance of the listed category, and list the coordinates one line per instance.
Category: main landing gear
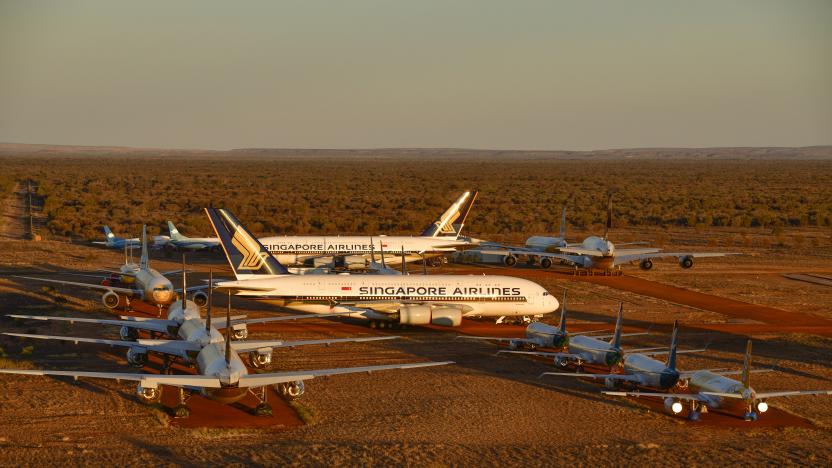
(263, 408)
(386, 324)
(181, 410)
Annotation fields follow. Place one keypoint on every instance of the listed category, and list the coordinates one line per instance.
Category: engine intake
(291, 390)
(200, 298)
(447, 316)
(148, 395)
(261, 359)
(136, 358)
(414, 315)
(110, 300)
(686, 261)
(128, 333)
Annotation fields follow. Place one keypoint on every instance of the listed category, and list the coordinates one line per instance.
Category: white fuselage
(156, 289)
(474, 295)
(295, 250)
(593, 350)
(651, 373)
(545, 243)
(544, 335)
(706, 381)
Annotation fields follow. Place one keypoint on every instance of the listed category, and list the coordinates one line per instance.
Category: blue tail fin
(109, 237)
(144, 261)
(616, 337)
(671, 357)
(245, 254)
(451, 222)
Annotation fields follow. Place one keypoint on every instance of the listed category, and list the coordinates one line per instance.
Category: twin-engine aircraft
(135, 281)
(222, 375)
(115, 242)
(183, 243)
(593, 253)
(711, 389)
(384, 300)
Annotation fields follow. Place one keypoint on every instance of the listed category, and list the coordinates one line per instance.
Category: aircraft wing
(260, 380)
(541, 353)
(666, 351)
(622, 377)
(622, 258)
(126, 291)
(601, 337)
(146, 380)
(254, 345)
(391, 307)
(156, 325)
(680, 396)
(282, 318)
(786, 393)
(173, 347)
(496, 338)
(689, 374)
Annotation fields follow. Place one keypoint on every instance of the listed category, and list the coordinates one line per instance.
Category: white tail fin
(144, 263)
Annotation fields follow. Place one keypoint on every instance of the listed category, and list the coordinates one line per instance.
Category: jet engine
(110, 300)
(128, 334)
(609, 383)
(148, 395)
(673, 406)
(200, 298)
(239, 332)
(136, 358)
(762, 406)
(646, 264)
(291, 390)
(686, 261)
(447, 316)
(545, 262)
(510, 260)
(355, 262)
(414, 315)
(261, 359)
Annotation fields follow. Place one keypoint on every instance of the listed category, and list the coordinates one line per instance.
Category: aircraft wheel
(181, 411)
(263, 409)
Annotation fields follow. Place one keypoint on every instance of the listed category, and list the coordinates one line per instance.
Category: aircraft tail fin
(145, 260)
(671, 356)
(616, 337)
(245, 254)
(451, 222)
(746, 366)
(109, 237)
(174, 233)
(562, 324)
(563, 223)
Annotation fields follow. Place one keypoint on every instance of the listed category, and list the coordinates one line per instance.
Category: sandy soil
(484, 409)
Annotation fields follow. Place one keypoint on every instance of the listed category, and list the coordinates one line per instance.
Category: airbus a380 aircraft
(382, 299)
(441, 237)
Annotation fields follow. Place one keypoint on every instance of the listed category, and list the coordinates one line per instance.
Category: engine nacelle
(261, 359)
(447, 316)
(414, 315)
(110, 300)
(136, 358)
(200, 298)
(762, 406)
(686, 261)
(646, 264)
(545, 262)
(609, 383)
(323, 262)
(355, 262)
(291, 390)
(148, 395)
(128, 333)
(239, 332)
(510, 260)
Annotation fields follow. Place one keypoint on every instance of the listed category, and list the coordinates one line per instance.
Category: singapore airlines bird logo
(253, 259)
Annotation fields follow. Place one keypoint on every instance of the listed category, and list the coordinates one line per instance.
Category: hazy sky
(476, 74)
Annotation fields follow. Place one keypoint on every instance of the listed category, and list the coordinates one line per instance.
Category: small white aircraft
(134, 281)
(382, 299)
(183, 243)
(113, 241)
(711, 389)
(222, 374)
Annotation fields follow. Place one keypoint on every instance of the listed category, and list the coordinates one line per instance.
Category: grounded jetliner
(440, 238)
(713, 390)
(581, 349)
(182, 243)
(222, 374)
(382, 299)
(599, 253)
(642, 370)
(133, 282)
(113, 241)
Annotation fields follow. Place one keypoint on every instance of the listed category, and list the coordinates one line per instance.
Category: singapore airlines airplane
(384, 300)
(352, 252)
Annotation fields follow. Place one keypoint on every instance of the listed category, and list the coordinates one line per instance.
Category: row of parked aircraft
(213, 349)
(638, 370)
